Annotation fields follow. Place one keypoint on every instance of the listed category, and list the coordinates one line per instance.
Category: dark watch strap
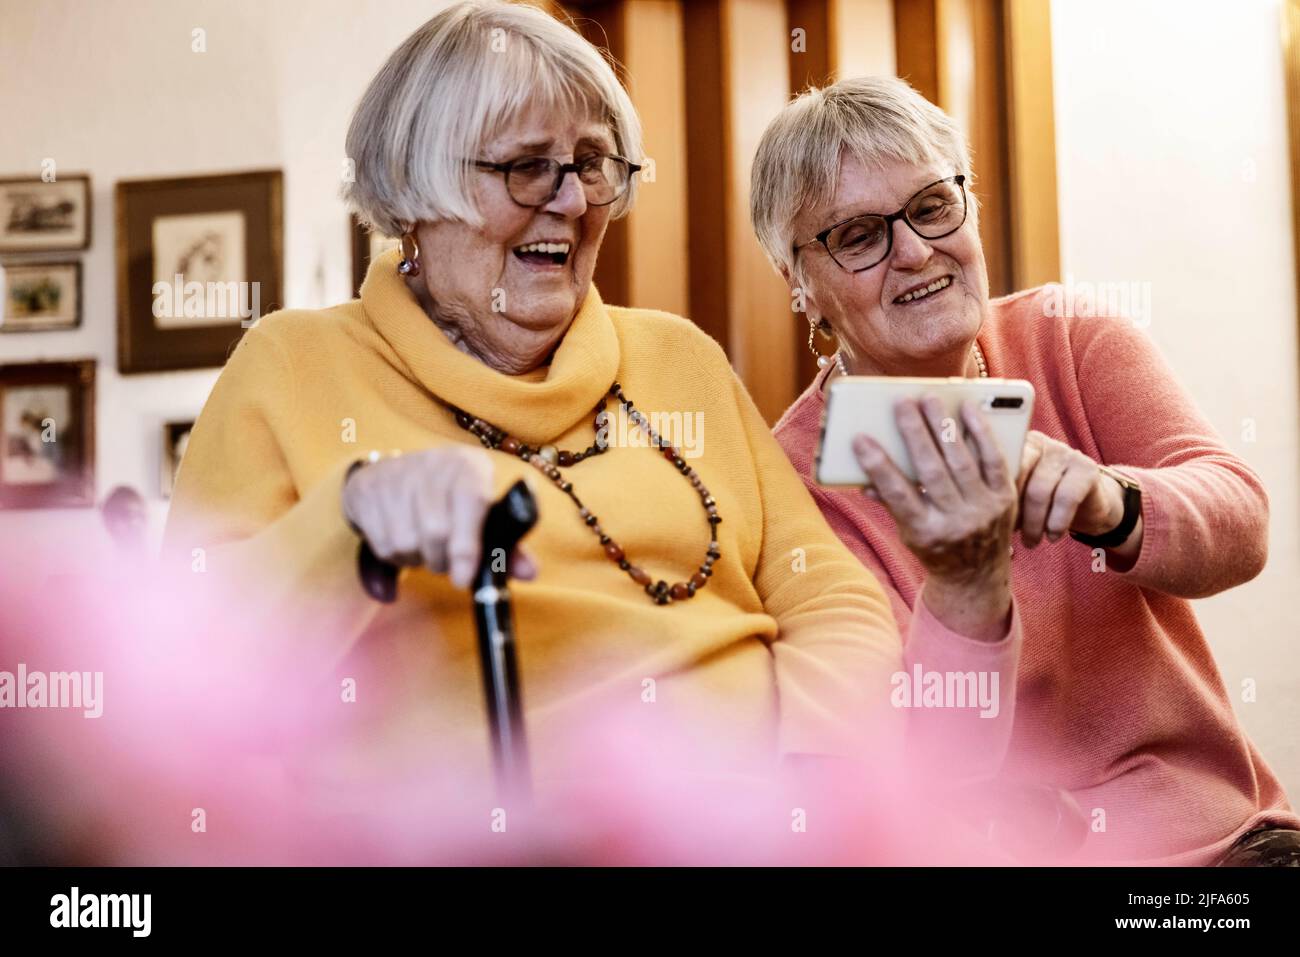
(1118, 535)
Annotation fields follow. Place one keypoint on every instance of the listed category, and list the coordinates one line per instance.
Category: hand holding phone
(865, 405)
(952, 497)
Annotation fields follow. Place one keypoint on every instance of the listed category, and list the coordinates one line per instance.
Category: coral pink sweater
(1118, 699)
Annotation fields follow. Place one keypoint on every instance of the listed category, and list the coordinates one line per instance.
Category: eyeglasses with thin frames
(534, 181)
(866, 240)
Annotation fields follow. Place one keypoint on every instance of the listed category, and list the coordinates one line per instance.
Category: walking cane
(506, 522)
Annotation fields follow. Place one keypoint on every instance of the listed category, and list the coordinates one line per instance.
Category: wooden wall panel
(988, 140)
(1036, 256)
(755, 87)
(602, 22)
(707, 136)
(916, 45)
(659, 265)
(644, 259)
(988, 64)
(862, 37)
(810, 67)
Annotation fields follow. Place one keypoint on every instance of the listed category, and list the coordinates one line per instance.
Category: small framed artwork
(41, 217)
(40, 296)
(199, 260)
(366, 245)
(47, 434)
(176, 436)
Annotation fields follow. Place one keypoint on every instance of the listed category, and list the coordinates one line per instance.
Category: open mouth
(921, 292)
(543, 255)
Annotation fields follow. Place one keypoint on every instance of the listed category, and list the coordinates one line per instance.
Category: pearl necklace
(975, 349)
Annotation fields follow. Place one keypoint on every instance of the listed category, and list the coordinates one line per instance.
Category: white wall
(1173, 170)
(113, 88)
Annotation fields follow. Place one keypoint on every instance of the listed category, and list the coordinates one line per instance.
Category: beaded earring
(410, 264)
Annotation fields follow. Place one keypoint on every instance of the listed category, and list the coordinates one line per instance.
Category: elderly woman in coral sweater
(1127, 504)
(499, 144)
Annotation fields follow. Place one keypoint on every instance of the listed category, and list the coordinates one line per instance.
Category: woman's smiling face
(879, 330)
(508, 305)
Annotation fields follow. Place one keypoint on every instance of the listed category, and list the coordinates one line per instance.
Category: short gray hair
(465, 74)
(873, 118)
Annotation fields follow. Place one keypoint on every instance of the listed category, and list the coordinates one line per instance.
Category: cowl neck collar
(532, 407)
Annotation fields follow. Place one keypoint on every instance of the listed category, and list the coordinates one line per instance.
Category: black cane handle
(507, 521)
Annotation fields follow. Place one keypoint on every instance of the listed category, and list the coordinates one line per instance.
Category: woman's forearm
(1204, 528)
(979, 609)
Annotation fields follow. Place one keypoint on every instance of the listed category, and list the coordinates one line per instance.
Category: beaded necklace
(548, 460)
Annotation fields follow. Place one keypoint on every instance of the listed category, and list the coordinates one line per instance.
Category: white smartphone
(865, 404)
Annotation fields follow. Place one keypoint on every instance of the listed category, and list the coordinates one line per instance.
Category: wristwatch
(1118, 535)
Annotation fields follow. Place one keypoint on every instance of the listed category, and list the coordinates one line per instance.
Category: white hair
(875, 119)
(464, 75)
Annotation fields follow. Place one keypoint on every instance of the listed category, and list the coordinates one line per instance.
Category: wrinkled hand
(960, 527)
(1062, 490)
(427, 508)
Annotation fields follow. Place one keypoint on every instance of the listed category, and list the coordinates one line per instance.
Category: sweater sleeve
(1204, 511)
(961, 744)
(837, 646)
(238, 515)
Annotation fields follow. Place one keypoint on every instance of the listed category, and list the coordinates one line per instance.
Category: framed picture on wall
(366, 245)
(40, 217)
(199, 260)
(175, 437)
(47, 434)
(40, 296)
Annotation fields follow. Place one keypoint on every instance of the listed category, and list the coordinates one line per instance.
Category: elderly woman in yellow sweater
(701, 580)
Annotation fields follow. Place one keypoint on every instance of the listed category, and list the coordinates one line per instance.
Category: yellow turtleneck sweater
(789, 648)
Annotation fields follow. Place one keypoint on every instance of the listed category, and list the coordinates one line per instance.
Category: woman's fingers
(960, 529)
(1055, 483)
(993, 465)
(931, 469)
(963, 468)
(373, 518)
(1078, 480)
(433, 527)
(467, 505)
(463, 543)
(1029, 456)
(425, 508)
(1036, 499)
(893, 489)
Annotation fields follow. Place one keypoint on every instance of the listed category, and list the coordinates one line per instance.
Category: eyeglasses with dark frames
(534, 181)
(863, 241)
